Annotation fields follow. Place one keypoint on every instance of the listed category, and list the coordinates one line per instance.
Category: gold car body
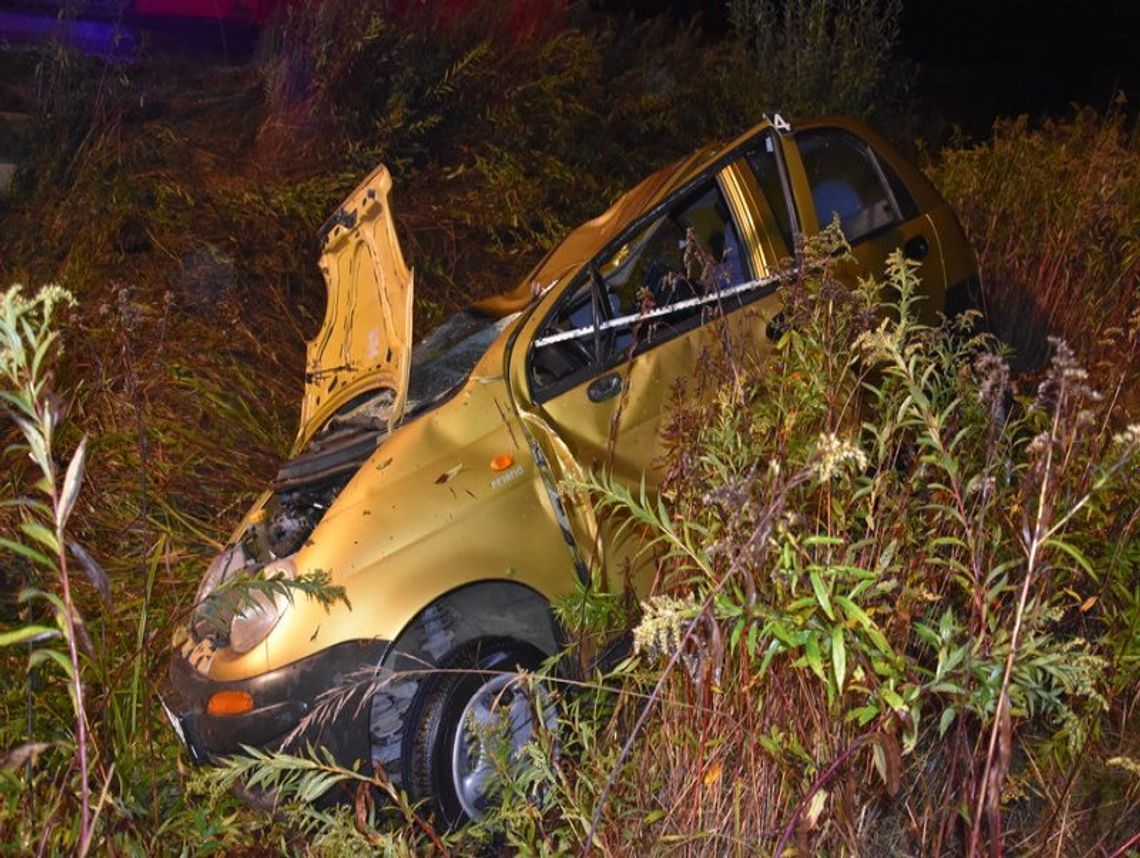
(469, 491)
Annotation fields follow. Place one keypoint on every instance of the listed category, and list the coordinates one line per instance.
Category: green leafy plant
(873, 552)
(251, 592)
(27, 339)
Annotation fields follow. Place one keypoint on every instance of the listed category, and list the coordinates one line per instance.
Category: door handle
(603, 388)
(916, 247)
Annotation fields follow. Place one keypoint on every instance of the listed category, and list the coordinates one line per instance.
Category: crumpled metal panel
(365, 342)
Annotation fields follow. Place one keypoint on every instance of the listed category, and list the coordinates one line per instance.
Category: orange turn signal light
(501, 463)
(230, 703)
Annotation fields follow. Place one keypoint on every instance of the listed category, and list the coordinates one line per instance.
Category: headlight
(261, 610)
(221, 567)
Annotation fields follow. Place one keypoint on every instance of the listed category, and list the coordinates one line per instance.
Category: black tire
(436, 717)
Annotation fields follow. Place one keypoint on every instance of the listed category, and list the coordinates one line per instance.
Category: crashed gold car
(426, 480)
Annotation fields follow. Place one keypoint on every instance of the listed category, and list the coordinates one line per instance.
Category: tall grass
(1054, 214)
(884, 621)
(819, 57)
(172, 204)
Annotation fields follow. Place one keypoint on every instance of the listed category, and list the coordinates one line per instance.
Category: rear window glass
(846, 183)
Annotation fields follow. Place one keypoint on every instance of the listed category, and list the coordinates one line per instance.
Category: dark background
(969, 60)
(981, 58)
(978, 59)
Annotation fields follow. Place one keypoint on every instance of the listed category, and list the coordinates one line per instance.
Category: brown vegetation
(178, 204)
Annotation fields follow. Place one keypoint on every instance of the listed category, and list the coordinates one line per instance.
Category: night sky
(981, 58)
(984, 57)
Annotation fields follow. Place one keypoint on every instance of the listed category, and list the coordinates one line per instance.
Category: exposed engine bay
(306, 486)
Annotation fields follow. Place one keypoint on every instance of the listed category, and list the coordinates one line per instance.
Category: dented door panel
(612, 420)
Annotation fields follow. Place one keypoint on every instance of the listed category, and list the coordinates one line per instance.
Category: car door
(842, 176)
(632, 332)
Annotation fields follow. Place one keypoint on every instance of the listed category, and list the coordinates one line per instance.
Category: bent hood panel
(365, 341)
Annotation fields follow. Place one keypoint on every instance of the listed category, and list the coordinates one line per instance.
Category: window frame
(750, 290)
(783, 176)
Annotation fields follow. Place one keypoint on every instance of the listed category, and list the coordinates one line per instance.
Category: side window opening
(765, 167)
(847, 181)
(568, 341)
(664, 279)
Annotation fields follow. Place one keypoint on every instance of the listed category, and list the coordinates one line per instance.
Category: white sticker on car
(507, 476)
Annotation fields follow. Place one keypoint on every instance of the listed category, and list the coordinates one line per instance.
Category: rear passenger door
(844, 178)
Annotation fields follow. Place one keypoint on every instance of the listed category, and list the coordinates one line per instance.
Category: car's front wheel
(469, 720)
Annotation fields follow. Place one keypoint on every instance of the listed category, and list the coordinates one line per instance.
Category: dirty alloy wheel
(465, 718)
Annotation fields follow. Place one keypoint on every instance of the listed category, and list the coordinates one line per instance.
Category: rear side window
(907, 206)
(847, 182)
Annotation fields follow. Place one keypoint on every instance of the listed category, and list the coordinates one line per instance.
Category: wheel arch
(482, 609)
(493, 608)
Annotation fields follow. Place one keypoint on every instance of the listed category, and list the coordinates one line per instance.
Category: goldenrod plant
(877, 555)
(1053, 211)
(888, 592)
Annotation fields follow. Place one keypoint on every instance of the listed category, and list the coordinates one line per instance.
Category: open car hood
(365, 341)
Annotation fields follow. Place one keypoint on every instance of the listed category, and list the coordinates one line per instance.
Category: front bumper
(282, 699)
